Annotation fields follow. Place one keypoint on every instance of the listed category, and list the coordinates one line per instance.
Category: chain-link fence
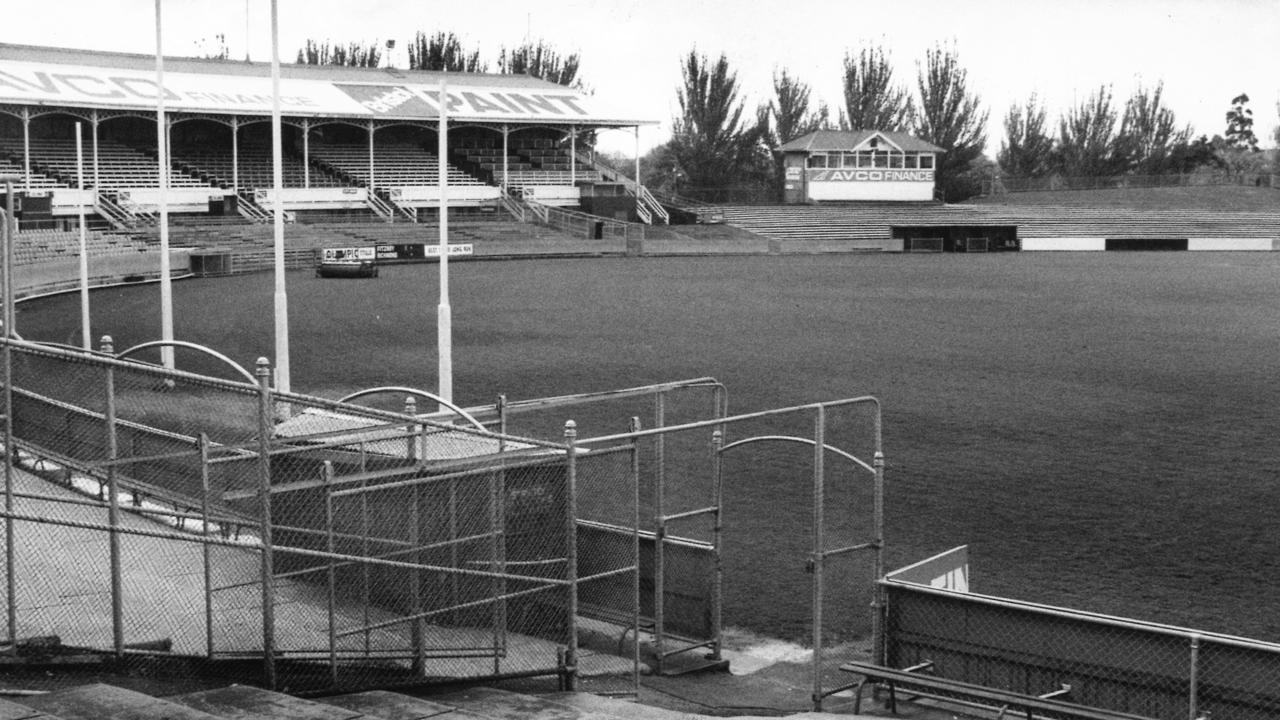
(1130, 666)
(166, 514)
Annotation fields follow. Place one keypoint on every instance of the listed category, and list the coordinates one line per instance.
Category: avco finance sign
(870, 175)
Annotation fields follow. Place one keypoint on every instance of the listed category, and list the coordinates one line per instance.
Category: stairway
(242, 702)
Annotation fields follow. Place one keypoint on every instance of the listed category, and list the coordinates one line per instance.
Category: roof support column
(93, 124)
(306, 153)
(506, 132)
(26, 147)
(371, 178)
(573, 154)
(235, 154)
(637, 129)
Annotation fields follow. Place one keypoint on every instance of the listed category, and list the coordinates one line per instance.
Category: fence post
(717, 577)
(10, 554)
(1193, 694)
(877, 590)
(817, 559)
(571, 554)
(660, 532)
(206, 550)
(331, 575)
(411, 409)
(264, 522)
(113, 506)
(634, 427)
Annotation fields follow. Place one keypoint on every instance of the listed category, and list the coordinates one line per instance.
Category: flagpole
(86, 340)
(444, 314)
(162, 145)
(277, 183)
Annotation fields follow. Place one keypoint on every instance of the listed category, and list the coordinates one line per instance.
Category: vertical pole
(416, 635)
(206, 550)
(411, 430)
(235, 154)
(878, 605)
(365, 598)
(506, 166)
(717, 579)
(162, 151)
(498, 525)
(660, 530)
(818, 558)
(86, 339)
(283, 377)
(638, 200)
(264, 523)
(571, 554)
(306, 153)
(94, 123)
(573, 154)
(113, 507)
(330, 574)
(372, 179)
(635, 556)
(26, 148)
(444, 314)
(1193, 694)
(10, 554)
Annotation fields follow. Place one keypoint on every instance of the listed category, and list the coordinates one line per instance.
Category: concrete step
(505, 705)
(394, 706)
(107, 702)
(243, 702)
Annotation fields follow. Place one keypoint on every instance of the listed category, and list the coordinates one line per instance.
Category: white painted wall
(1064, 243)
(907, 191)
(1231, 244)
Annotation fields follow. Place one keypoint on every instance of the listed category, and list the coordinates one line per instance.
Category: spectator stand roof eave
(851, 140)
(71, 78)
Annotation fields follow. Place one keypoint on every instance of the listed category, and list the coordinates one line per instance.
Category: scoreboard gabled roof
(31, 75)
(850, 140)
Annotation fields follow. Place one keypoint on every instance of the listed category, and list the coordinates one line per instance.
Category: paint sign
(356, 253)
(454, 250)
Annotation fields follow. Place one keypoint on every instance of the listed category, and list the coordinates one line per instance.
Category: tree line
(721, 150)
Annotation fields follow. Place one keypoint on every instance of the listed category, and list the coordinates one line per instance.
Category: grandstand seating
(535, 161)
(254, 170)
(119, 166)
(34, 246)
(394, 165)
(13, 166)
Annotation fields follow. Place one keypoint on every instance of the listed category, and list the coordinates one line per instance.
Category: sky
(1205, 52)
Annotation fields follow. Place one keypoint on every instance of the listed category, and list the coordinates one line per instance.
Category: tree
(1148, 132)
(213, 49)
(708, 139)
(1027, 149)
(871, 99)
(442, 51)
(352, 54)
(540, 60)
(786, 117)
(1240, 125)
(1087, 138)
(952, 118)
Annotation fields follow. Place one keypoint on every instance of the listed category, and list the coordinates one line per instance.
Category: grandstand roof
(33, 75)
(849, 140)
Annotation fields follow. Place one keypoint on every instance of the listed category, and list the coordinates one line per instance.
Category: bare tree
(1027, 148)
(871, 99)
(951, 117)
(442, 51)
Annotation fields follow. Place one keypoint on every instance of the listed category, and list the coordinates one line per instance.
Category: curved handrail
(420, 393)
(804, 441)
(248, 376)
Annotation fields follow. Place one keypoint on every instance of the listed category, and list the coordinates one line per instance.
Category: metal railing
(1122, 664)
(1001, 185)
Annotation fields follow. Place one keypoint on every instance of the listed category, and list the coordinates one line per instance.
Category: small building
(848, 165)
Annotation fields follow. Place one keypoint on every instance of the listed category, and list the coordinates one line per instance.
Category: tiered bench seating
(401, 165)
(39, 181)
(34, 246)
(255, 168)
(119, 166)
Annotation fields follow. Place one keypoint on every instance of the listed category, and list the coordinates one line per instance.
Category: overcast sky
(1205, 51)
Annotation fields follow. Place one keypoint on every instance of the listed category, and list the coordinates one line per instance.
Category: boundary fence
(1131, 666)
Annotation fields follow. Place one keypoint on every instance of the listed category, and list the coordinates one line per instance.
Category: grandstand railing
(583, 224)
(1115, 663)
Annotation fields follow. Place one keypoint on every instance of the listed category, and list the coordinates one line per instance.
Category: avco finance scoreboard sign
(869, 175)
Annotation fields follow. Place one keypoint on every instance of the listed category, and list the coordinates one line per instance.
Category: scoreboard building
(833, 165)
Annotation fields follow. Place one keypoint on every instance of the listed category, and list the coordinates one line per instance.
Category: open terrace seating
(34, 246)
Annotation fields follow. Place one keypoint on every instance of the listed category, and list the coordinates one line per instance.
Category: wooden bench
(916, 677)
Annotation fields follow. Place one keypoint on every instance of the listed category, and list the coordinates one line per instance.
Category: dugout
(955, 238)
(831, 165)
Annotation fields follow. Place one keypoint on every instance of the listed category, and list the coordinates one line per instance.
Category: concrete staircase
(241, 702)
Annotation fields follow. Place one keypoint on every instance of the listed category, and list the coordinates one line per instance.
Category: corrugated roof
(847, 140)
